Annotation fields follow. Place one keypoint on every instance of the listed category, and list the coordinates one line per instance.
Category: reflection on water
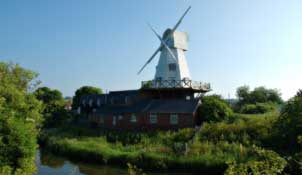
(49, 164)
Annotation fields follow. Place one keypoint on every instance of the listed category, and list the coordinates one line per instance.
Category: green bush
(246, 129)
(289, 126)
(267, 163)
(213, 108)
(20, 119)
(258, 108)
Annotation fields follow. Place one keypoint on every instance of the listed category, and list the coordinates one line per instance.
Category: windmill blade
(150, 59)
(179, 21)
(163, 42)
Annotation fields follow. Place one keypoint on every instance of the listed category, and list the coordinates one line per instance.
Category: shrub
(267, 163)
(213, 108)
(289, 125)
(258, 108)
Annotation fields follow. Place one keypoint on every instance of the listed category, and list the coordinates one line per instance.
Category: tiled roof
(139, 105)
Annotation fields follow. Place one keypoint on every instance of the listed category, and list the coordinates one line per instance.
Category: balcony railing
(185, 83)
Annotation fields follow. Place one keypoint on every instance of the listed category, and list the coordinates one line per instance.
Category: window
(90, 102)
(93, 110)
(99, 102)
(188, 97)
(133, 118)
(84, 102)
(101, 120)
(114, 121)
(173, 119)
(120, 117)
(79, 110)
(153, 118)
(172, 67)
(127, 100)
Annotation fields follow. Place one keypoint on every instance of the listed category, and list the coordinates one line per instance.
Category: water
(50, 164)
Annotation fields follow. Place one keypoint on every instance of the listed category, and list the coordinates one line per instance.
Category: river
(50, 164)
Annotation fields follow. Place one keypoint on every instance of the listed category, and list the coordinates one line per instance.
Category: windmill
(172, 65)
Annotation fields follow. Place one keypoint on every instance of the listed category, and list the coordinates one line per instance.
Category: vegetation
(20, 119)
(219, 147)
(214, 108)
(258, 108)
(85, 90)
(259, 139)
(260, 100)
(54, 112)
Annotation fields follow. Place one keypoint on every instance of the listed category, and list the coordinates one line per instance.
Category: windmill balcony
(177, 84)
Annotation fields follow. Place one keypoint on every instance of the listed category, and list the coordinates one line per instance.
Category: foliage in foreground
(217, 148)
(19, 120)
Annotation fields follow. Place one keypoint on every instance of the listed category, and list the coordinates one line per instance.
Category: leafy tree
(299, 93)
(257, 99)
(54, 112)
(85, 90)
(289, 124)
(243, 93)
(258, 95)
(213, 108)
(20, 119)
(258, 108)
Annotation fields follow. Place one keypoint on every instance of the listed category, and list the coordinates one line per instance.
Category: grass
(216, 146)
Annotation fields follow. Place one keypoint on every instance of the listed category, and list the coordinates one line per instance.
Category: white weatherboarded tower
(173, 66)
(172, 69)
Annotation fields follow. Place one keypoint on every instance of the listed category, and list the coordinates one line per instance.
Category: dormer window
(127, 100)
(99, 102)
(172, 67)
(133, 118)
(90, 102)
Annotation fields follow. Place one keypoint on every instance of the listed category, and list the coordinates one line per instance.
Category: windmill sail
(164, 41)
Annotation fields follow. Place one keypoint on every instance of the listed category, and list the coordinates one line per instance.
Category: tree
(213, 108)
(289, 124)
(299, 93)
(243, 94)
(258, 98)
(258, 95)
(54, 112)
(20, 119)
(85, 90)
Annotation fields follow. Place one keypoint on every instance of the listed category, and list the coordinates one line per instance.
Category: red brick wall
(143, 121)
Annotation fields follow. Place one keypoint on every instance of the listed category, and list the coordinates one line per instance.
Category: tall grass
(211, 152)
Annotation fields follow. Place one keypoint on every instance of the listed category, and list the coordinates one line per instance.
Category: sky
(72, 43)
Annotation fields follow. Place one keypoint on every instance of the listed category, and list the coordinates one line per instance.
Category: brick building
(169, 101)
(146, 108)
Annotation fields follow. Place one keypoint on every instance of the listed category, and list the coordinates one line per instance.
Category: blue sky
(72, 43)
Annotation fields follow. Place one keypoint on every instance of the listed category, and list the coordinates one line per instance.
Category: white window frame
(153, 118)
(188, 97)
(133, 118)
(99, 102)
(90, 102)
(114, 120)
(79, 110)
(173, 119)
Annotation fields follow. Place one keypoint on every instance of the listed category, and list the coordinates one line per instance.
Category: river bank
(216, 149)
(156, 152)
